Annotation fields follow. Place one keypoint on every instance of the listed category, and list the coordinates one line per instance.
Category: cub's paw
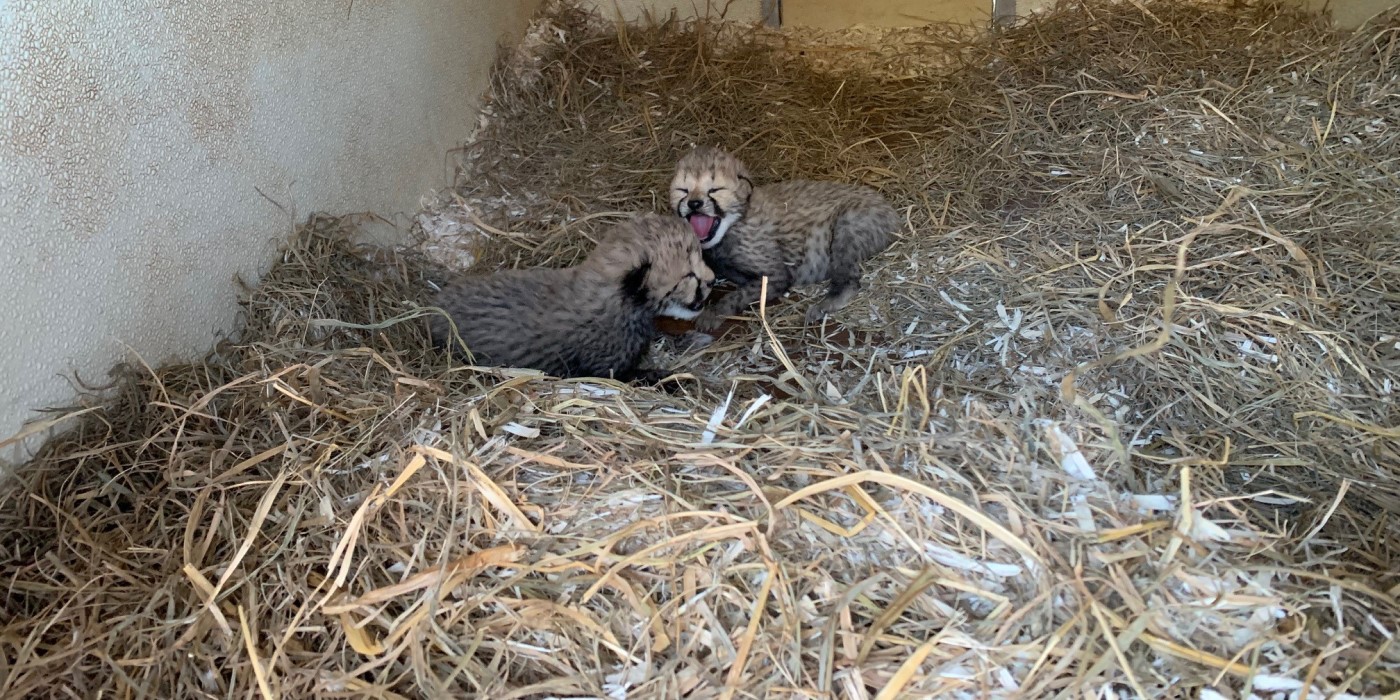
(830, 304)
(708, 322)
(818, 311)
(694, 340)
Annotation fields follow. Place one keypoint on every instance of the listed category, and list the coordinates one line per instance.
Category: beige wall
(633, 10)
(134, 137)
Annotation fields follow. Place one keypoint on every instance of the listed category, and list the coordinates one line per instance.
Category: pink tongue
(701, 224)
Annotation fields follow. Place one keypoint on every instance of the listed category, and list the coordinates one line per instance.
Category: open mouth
(704, 226)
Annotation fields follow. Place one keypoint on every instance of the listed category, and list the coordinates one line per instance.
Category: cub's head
(658, 264)
(710, 191)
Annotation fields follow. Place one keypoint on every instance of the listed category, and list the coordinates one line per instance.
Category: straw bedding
(1115, 417)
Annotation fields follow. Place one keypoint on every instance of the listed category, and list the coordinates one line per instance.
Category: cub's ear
(745, 188)
(634, 284)
(741, 172)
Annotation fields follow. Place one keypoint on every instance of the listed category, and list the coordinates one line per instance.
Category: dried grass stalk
(1115, 417)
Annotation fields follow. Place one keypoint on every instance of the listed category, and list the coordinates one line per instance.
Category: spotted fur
(596, 319)
(796, 232)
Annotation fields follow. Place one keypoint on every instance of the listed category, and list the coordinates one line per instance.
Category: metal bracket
(1003, 13)
(772, 11)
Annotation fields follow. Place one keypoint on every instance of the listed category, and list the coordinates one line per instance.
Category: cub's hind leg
(840, 290)
(856, 236)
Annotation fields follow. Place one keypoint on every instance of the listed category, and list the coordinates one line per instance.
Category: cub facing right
(596, 319)
(795, 232)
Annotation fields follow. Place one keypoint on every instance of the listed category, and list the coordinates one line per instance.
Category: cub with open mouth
(795, 232)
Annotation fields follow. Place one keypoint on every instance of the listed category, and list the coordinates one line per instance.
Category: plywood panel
(1351, 13)
(837, 14)
(743, 11)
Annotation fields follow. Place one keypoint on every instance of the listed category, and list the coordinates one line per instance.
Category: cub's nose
(695, 204)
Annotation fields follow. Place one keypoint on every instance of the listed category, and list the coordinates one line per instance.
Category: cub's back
(814, 200)
(803, 217)
(513, 318)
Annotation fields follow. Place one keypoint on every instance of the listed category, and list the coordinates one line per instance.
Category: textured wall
(632, 10)
(135, 135)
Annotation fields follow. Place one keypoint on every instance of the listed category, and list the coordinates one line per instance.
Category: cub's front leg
(748, 292)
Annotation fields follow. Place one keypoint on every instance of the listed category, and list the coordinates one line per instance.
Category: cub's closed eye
(682, 189)
(718, 189)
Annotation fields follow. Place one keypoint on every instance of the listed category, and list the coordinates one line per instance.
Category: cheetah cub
(796, 232)
(596, 319)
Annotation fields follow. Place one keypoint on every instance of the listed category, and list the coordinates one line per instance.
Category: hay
(1116, 416)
